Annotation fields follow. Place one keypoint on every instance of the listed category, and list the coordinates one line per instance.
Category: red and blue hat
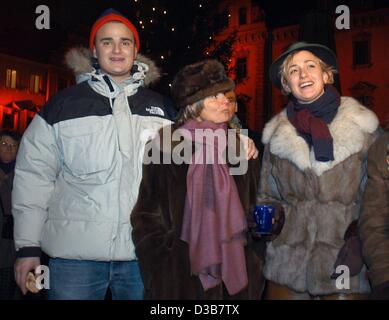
(110, 15)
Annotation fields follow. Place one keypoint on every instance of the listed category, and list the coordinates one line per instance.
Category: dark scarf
(7, 167)
(214, 221)
(311, 121)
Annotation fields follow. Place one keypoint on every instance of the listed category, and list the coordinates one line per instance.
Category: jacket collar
(348, 129)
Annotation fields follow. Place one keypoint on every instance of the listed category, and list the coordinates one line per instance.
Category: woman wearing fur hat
(314, 165)
(374, 226)
(190, 220)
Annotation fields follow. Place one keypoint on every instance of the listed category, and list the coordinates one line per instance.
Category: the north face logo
(155, 110)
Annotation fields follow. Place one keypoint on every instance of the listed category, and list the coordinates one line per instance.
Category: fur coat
(320, 199)
(374, 221)
(157, 222)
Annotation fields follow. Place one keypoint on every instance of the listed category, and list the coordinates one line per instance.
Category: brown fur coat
(320, 199)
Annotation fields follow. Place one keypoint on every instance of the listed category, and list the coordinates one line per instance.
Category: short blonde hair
(283, 72)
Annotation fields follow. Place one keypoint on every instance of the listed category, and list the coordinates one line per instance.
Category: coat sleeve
(37, 166)
(374, 219)
(152, 239)
(267, 190)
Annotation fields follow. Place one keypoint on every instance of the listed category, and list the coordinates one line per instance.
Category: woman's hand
(249, 147)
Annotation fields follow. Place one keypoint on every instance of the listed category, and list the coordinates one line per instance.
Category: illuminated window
(11, 79)
(35, 83)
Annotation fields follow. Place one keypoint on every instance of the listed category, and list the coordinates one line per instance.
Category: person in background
(314, 165)
(190, 223)
(374, 220)
(9, 144)
(79, 167)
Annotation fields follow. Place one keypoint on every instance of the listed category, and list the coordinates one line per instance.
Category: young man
(79, 168)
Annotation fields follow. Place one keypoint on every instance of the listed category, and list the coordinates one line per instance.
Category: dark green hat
(322, 52)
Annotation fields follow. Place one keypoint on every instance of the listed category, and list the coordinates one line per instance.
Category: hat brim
(322, 52)
(211, 90)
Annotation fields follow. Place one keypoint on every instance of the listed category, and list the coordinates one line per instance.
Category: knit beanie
(110, 15)
(198, 81)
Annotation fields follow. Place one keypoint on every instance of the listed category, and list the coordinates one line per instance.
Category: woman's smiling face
(305, 76)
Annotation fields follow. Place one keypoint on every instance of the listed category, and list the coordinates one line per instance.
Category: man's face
(115, 50)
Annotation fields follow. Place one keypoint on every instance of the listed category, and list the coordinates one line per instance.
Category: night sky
(71, 21)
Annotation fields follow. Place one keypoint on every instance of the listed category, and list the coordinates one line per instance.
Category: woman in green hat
(314, 165)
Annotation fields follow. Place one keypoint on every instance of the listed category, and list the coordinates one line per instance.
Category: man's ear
(94, 52)
(135, 52)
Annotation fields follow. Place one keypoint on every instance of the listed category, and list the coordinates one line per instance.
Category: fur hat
(110, 15)
(198, 81)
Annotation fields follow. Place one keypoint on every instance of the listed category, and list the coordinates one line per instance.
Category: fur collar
(348, 130)
(79, 61)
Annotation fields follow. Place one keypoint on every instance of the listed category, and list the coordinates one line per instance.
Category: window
(363, 91)
(242, 16)
(241, 69)
(11, 79)
(361, 52)
(35, 83)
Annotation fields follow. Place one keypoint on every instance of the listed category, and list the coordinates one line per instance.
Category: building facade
(361, 51)
(24, 87)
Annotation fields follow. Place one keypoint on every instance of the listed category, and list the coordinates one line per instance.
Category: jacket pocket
(87, 145)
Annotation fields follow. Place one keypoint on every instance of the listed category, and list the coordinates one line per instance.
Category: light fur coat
(320, 198)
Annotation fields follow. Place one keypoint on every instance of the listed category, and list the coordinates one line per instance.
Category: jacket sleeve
(374, 219)
(151, 238)
(37, 166)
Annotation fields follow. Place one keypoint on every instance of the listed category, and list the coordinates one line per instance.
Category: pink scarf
(214, 221)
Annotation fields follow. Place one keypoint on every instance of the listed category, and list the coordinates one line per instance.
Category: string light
(164, 12)
(162, 57)
(173, 29)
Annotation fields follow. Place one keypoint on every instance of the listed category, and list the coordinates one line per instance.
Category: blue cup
(263, 216)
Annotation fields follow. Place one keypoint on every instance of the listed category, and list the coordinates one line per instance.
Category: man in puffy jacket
(79, 167)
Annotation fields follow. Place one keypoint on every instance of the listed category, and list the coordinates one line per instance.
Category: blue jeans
(89, 280)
